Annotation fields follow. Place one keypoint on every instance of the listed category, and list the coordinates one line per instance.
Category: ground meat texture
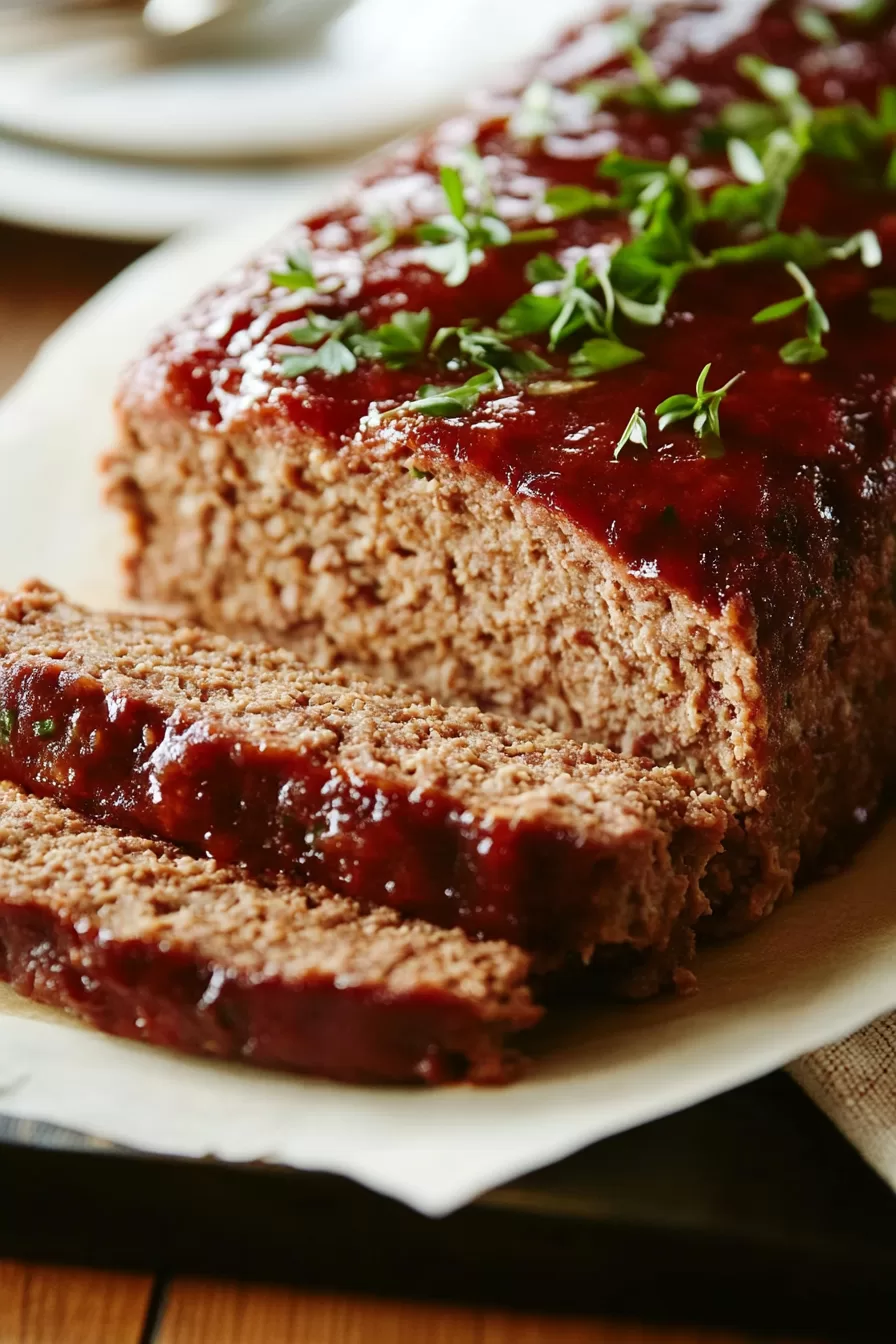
(243, 752)
(734, 616)
(144, 941)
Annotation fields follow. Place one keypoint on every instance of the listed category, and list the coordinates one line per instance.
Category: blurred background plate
(49, 188)
(381, 66)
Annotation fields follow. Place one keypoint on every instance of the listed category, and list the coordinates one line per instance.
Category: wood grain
(49, 1305)
(198, 1312)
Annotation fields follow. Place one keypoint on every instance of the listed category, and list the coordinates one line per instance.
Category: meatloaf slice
(452, 815)
(142, 940)
(721, 601)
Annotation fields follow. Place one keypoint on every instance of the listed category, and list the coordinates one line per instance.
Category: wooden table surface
(42, 279)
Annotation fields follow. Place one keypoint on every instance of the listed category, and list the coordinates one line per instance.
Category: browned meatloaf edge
(143, 941)
(243, 752)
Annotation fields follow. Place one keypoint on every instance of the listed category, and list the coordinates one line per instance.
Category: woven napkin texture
(854, 1083)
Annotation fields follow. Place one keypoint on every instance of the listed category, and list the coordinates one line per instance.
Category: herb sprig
(702, 407)
(646, 88)
(458, 240)
(808, 349)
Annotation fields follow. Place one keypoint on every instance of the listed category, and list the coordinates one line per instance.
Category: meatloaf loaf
(459, 429)
(452, 815)
(142, 940)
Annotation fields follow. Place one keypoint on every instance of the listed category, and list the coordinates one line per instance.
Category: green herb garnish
(810, 348)
(646, 89)
(535, 115)
(8, 720)
(567, 201)
(395, 343)
(703, 408)
(600, 355)
(487, 348)
(459, 240)
(448, 402)
(562, 301)
(883, 304)
(45, 728)
(867, 12)
(298, 272)
(817, 26)
(634, 432)
(328, 342)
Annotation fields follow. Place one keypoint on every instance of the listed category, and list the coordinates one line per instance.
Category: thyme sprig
(702, 407)
(808, 349)
(634, 432)
(644, 87)
(459, 239)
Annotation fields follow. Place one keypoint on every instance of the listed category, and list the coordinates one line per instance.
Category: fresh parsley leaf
(817, 26)
(45, 728)
(600, 355)
(703, 407)
(459, 240)
(567, 201)
(883, 304)
(487, 348)
(328, 345)
(634, 432)
(448, 402)
(535, 114)
(8, 720)
(567, 303)
(297, 273)
(395, 343)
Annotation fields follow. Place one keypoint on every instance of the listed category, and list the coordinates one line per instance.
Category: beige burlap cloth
(854, 1083)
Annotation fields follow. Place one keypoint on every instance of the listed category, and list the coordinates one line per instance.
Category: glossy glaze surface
(158, 994)
(809, 474)
(119, 760)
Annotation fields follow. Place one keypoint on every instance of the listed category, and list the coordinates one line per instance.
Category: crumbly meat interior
(477, 596)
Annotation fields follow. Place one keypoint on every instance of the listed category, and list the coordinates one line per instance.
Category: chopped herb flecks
(45, 728)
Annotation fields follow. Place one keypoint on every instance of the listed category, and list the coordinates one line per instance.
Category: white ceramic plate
(819, 969)
(382, 66)
(73, 193)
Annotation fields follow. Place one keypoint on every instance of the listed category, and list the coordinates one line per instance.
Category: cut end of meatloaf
(244, 752)
(144, 941)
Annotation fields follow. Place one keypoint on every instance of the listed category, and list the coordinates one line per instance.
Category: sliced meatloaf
(142, 940)
(246, 754)
(457, 429)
